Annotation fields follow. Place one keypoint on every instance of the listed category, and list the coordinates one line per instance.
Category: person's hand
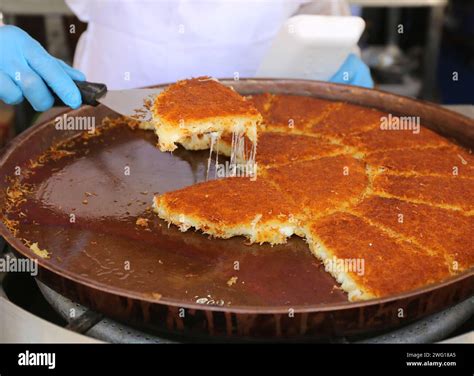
(28, 71)
(353, 72)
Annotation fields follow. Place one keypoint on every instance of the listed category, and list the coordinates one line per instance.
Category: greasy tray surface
(167, 266)
(164, 262)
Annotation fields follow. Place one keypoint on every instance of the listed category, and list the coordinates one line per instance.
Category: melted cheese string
(215, 136)
(239, 154)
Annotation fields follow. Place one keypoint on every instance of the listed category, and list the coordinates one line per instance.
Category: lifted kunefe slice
(201, 106)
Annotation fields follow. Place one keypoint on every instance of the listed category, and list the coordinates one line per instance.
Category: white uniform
(134, 43)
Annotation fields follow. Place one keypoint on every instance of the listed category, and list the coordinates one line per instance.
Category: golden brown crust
(391, 266)
(381, 139)
(448, 192)
(229, 207)
(275, 148)
(279, 148)
(294, 114)
(444, 232)
(445, 161)
(230, 201)
(321, 185)
(200, 98)
(201, 106)
(262, 103)
(344, 119)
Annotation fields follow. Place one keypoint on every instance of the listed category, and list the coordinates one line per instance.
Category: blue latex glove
(353, 72)
(27, 70)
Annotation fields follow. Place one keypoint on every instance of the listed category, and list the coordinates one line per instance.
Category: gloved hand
(27, 70)
(353, 72)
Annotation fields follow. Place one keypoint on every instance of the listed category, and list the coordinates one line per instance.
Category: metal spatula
(130, 103)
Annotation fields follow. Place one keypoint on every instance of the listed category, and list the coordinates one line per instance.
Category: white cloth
(134, 43)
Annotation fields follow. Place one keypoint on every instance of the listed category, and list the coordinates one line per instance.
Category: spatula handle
(90, 92)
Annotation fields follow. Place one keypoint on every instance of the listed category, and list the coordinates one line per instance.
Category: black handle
(90, 92)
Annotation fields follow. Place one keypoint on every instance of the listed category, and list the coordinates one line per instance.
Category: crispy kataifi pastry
(322, 185)
(224, 144)
(369, 263)
(383, 139)
(445, 161)
(201, 106)
(296, 114)
(448, 233)
(345, 119)
(230, 207)
(276, 148)
(447, 192)
(262, 103)
(329, 173)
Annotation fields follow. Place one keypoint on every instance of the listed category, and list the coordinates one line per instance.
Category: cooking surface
(105, 245)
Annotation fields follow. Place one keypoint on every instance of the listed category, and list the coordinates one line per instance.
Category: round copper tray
(165, 280)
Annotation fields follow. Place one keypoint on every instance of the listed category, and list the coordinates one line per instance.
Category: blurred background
(422, 58)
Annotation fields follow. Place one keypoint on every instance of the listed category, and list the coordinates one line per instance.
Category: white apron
(134, 43)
